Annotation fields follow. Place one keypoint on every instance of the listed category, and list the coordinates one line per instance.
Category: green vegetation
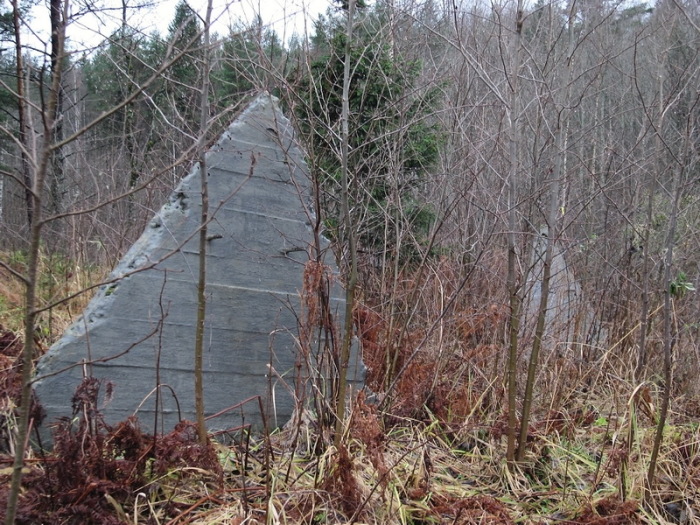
(60, 278)
(474, 129)
(394, 141)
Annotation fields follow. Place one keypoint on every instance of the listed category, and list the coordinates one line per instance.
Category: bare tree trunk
(349, 234)
(552, 234)
(57, 186)
(22, 115)
(644, 316)
(202, 282)
(31, 279)
(512, 281)
(668, 336)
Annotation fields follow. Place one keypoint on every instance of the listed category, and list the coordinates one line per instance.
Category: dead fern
(94, 466)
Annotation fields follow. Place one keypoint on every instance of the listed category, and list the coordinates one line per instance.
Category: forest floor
(422, 459)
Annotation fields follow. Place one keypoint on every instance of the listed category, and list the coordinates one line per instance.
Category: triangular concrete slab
(259, 241)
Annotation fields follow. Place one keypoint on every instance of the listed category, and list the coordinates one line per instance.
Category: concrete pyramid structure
(140, 329)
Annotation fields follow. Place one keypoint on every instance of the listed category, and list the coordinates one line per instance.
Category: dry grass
(59, 278)
(581, 468)
(426, 472)
(431, 452)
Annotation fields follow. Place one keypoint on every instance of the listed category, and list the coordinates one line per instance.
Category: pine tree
(393, 143)
(112, 75)
(185, 37)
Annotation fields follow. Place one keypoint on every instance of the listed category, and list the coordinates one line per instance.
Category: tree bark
(556, 177)
(58, 183)
(512, 281)
(30, 295)
(22, 115)
(202, 281)
(349, 235)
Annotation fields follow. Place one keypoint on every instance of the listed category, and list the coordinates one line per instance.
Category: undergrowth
(431, 450)
(95, 471)
(60, 278)
(584, 467)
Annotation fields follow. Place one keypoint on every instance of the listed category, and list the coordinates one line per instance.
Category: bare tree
(41, 161)
(202, 282)
(39, 152)
(348, 230)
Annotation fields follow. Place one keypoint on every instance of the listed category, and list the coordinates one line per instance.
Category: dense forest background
(510, 188)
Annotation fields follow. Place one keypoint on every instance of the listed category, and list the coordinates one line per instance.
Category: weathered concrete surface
(259, 238)
(564, 304)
